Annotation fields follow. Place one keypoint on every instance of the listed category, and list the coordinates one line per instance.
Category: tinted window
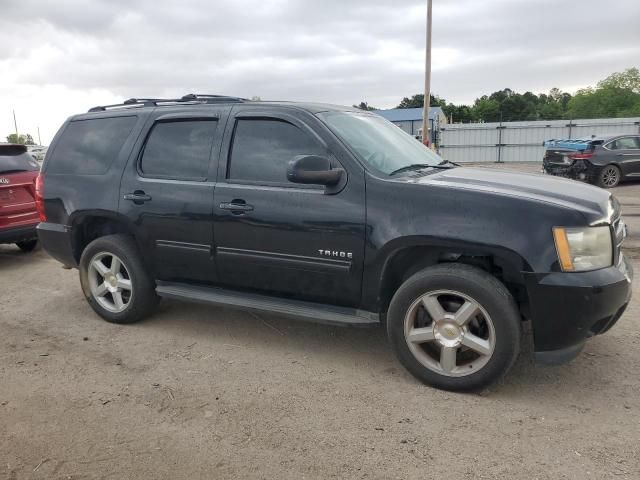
(625, 143)
(378, 142)
(88, 147)
(179, 149)
(16, 159)
(263, 148)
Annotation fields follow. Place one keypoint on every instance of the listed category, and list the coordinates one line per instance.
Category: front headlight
(582, 249)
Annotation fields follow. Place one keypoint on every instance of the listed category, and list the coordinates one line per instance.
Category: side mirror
(314, 170)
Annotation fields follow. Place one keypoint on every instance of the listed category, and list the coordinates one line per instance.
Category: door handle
(138, 197)
(236, 206)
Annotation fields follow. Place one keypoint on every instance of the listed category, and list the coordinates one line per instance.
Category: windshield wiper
(418, 166)
(444, 162)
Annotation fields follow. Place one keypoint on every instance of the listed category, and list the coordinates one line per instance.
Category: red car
(18, 186)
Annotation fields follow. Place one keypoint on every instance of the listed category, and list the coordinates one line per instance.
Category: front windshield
(378, 142)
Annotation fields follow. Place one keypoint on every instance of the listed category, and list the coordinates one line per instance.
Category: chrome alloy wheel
(110, 282)
(449, 333)
(610, 177)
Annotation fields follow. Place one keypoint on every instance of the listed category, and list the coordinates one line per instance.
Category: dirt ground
(204, 392)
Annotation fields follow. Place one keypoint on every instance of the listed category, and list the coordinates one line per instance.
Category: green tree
(365, 106)
(627, 80)
(605, 102)
(21, 139)
(550, 111)
(459, 113)
(417, 101)
(486, 109)
(618, 95)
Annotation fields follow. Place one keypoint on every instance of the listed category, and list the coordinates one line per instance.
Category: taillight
(39, 187)
(581, 156)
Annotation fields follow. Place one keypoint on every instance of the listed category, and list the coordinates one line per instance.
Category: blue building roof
(407, 114)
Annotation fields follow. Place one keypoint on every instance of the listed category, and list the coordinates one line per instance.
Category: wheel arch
(402, 261)
(89, 225)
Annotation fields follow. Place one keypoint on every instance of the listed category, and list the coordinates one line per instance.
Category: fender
(379, 264)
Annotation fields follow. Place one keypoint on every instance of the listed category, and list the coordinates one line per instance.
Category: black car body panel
(342, 245)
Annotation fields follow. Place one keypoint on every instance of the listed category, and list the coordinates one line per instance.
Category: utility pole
(427, 81)
(15, 123)
(39, 140)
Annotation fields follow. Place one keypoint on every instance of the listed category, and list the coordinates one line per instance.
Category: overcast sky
(61, 57)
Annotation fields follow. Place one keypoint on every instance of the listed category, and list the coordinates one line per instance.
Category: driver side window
(262, 148)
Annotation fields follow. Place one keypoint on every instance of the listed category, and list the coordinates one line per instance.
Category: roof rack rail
(189, 99)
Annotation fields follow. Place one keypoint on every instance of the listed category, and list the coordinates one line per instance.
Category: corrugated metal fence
(520, 141)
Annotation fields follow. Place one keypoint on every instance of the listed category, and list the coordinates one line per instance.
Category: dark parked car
(335, 215)
(18, 214)
(601, 160)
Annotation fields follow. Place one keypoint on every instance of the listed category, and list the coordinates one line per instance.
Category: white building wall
(520, 141)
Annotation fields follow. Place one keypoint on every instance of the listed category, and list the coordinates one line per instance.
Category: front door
(167, 192)
(278, 237)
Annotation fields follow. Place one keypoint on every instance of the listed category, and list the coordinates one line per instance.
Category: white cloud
(60, 58)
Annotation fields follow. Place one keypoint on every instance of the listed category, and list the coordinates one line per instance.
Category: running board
(313, 312)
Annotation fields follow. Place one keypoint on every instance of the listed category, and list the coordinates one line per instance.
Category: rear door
(167, 191)
(18, 171)
(625, 152)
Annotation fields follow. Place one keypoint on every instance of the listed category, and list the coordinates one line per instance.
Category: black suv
(335, 215)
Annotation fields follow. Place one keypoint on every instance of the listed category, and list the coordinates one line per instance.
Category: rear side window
(14, 158)
(88, 147)
(625, 143)
(179, 149)
(262, 149)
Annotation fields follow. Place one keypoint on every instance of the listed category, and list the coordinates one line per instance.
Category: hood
(595, 203)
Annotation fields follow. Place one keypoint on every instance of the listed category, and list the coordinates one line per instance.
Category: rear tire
(609, 176)
(27, 245)
(114, 280)
(454, 327)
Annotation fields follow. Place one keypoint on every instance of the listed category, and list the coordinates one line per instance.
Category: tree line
(618, 95)
(23, 139)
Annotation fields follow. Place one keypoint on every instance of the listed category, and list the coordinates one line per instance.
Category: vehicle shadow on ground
(11, 255)
(367, 348)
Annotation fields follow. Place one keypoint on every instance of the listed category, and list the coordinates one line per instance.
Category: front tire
(454, 327)
(115, 281)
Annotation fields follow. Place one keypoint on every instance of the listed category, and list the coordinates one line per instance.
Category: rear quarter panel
(69, 196)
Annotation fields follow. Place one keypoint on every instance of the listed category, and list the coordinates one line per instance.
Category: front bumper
(18, 234)
(568, 308)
